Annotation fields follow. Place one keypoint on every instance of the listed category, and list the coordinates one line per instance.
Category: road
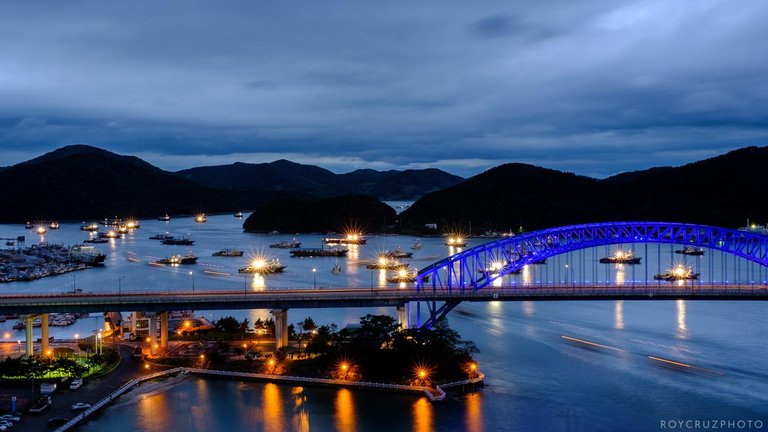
(91, 392)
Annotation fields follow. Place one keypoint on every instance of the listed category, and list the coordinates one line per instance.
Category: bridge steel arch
(477, 267)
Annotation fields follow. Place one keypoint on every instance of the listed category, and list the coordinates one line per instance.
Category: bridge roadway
(362, 297)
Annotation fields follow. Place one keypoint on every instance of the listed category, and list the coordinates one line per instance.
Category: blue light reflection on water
(537, 380)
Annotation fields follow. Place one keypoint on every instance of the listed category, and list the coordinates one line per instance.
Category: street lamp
(573, 278)
(120, 285)
(77, 336)
(314, 278)
(193, 280)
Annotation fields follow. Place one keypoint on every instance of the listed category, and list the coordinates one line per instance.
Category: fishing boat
(396, 253)
(178, 240)
(690, 250)
(262, 266)
(164, 218)
(455, 241)
(92, 227)
(109, 234)
(228, 253)
(387, 263)
(163, 236)
(351, 238)
(239, 214)
(200, 218)
(41, 230)
(677, 273)
(319, 252)
(86, 255)
(53, 225)
(417, 245)
(178, 259)
(621, 257)
(285, 244)
(404, 275)
(96, 240)
(29, 225)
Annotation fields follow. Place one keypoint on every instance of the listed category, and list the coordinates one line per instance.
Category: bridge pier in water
(152, 333)
(281, 327)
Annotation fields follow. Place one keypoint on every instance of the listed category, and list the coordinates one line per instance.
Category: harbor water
(646, 361)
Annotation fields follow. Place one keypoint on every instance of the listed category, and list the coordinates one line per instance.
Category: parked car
(81, 406)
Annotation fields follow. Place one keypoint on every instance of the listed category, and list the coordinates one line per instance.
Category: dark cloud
(594, 87)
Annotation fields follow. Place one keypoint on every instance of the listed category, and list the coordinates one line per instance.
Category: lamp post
(193, 280)
(573, 278)
(314, 278)
(120, 285)
(77, 336)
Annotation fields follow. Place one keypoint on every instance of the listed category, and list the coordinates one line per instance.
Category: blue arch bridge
(476, 274)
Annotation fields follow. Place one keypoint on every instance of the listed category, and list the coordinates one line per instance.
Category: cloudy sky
(594, 87)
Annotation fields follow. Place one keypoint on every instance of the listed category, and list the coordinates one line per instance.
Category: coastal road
(91, 392)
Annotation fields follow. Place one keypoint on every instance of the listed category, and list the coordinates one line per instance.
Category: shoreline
(433, 394)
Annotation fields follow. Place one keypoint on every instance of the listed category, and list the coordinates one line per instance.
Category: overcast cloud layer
(593, 86)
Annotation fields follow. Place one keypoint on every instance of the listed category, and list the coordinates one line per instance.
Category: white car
(10, 417)
(81, 406)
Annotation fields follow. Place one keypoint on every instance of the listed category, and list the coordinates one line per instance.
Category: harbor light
(382, 261)
(679, 271)
(496, 266)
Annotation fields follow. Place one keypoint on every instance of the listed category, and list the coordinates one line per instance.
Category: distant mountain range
(80, 182)
(283, 175)
(725, 190)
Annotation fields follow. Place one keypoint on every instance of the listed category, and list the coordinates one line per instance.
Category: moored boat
(164, 218)
(162, 236)
(319, 252)
(92, 227)
(352, 238)
(387, 263)
(396, 253)
(621, 257)
(178, 259)
(285, 244)
(263, 266)
(677, 273)
(228, 253)
(417, 245)
(186, 241)
(53, 225)
(86, 255)
(200, 218)
(690, 250)
(239, 214)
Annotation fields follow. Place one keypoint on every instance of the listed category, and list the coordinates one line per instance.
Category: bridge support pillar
(281, 327)
(28, 330)
(153, 335)
(44, 333)
(164, 330)
(134, 318)
(404, 316)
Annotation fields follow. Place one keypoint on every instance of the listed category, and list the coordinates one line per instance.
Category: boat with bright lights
(41, 230)
(455, 241)
(178, 241)
(677, 273)
(53, 225)
(29, 225)
(621, 257)
(348, 239)
(387, 263)
(178, 259)
(92, 227)
(319, 252)
(239, 214)
(690, 250)
(262, 266)
(164, 218)
(109, 234)
(228, 253)
(403, 275)
(285, 244)
(200, 218)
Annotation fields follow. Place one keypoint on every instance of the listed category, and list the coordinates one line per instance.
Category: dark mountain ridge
(724, 190)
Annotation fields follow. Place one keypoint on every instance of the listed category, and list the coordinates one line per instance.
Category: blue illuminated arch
(472, 268)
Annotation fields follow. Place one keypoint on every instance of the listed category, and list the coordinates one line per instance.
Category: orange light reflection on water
(474, 412)
(346, 415)
(422, 416)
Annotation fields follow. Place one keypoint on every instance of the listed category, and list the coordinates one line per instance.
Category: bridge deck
(360, 297)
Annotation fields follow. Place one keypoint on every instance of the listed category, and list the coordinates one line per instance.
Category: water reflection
(422, 416)
(528, 308)
(619, 274)
(300, 418)
(346, 418)
(258, 283)
(152, 409)
(474, 421)
(527, 278)
(272, 404)
(682, 329)
(618, 318)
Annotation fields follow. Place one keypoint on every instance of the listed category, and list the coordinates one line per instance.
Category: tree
(308, 324)
(228, 325)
